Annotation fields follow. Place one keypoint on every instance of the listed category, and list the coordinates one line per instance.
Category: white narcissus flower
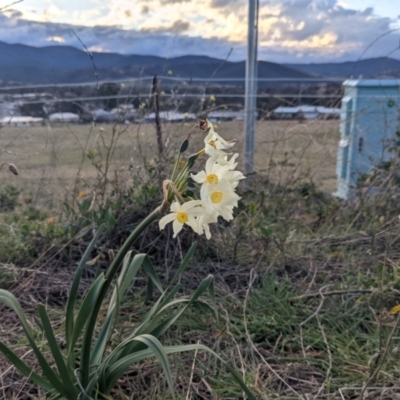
(233, 177)
(221, 198)
(215, 144)
(232, 163)
(218, 182)
(218, 156)
(215, 173)
(182, 214)
(204, 221)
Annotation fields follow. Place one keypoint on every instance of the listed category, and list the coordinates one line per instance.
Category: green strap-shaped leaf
(157, 350)
(184, 262)
(153, 326)
(125, 280)
(148, 267)
(142, 328)
(111, 375)
(11, 301)
(164, 299)
(84, 313)
(111, 272)
(99, 347)
(27, 371)
(211, 293)
(101, 341)
(162, 328)
(56, 352)
(167, 298)
(127, 276)
(69, 316)
(116, 370)
(93, 382)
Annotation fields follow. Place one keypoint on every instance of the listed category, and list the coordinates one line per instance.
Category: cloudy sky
(289, 30)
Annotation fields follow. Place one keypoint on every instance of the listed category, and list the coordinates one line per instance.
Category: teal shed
(369, 120)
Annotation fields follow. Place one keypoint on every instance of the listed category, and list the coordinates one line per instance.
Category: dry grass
(50, 159)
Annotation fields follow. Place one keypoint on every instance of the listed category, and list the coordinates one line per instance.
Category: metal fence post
(251, 86)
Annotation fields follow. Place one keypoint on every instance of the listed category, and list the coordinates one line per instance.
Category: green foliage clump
(8, 198)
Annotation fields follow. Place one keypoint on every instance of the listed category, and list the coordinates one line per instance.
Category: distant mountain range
(381, 67)
(21, 64)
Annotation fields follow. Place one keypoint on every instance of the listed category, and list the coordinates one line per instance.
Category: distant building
(8, 109)
(101, 115)
(327, 112)
(171, 116)
(125, 112)
(306, 112)
(225, 115)
(30, 96)
(369, 122)
(20, 121)
(64, 117)
(285, 112)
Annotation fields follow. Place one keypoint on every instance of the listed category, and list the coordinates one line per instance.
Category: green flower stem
(182, 175)
(112, 271)
(176, 166)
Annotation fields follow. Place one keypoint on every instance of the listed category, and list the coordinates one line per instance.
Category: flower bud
(189, 193)
(203, 125)
(191, 160)
(184, 146)
(13, 169)
(190, 182)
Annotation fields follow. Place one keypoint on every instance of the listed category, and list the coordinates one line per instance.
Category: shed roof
(307, 109)
(19, 118)
(172, 116)
(225, 114)
(372, 83)
(288, 110)
(63, 116)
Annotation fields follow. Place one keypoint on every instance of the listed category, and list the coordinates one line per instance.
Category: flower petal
(166, 219)
(190, 204)
(175, 206)
(193, 223)
(177, 227)
(200, 177)
(209, 166)
(207, 231)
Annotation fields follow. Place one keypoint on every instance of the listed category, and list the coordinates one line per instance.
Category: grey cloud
(14, 13)
(225, 3)
(145, 10)
(355, 30)
(112, 39)
(178, 26)
(173, 1)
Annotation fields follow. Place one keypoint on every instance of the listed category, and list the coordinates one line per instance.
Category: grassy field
(51, 159)
(304, 282)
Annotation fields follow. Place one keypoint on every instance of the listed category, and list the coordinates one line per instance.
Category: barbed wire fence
(275, 144)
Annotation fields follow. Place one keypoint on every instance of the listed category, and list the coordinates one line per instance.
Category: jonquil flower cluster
(217, 193)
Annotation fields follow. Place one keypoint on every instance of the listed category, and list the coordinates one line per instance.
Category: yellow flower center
(212, 143)
(182, 217)
(212, 178)
(216, 197)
